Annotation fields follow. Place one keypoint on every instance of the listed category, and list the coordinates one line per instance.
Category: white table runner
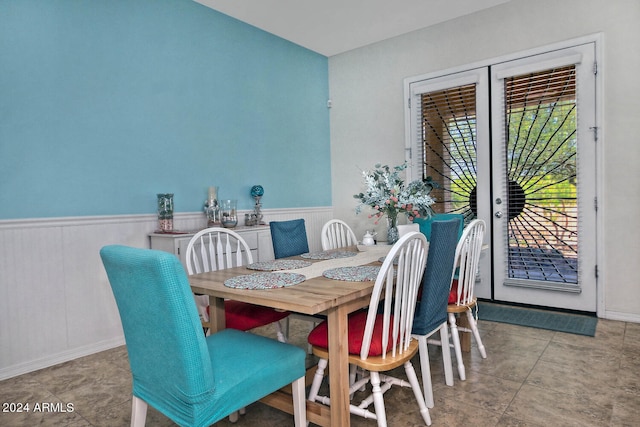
(366, 255)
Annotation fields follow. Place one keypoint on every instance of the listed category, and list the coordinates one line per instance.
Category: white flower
(386, 193)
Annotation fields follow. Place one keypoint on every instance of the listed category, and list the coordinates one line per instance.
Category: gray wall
(367, 114)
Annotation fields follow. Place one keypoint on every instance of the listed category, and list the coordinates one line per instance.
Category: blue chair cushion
(246, 367)
(425, 223)
(431, 310)
(289, 238)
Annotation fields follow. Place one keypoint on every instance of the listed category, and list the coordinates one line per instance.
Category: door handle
(498, 214)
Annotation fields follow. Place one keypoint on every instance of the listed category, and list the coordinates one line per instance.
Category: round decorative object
(257, 191)
(517, 199)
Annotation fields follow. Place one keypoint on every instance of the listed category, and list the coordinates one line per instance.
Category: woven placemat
(264, 280)
(279, 264)
(329, 255)
(361, 273)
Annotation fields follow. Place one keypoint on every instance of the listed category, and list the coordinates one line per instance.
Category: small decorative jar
(368, 239)
(165, 212)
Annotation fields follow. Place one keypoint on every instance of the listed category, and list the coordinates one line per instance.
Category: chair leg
(287, 327)
(282, 337)
(353, 373)
(313, 325)
(299, 403)
(360, 373)
(138, 412)
(378, 400)
(476, 334)
(455, 337)
(235, 416)
(317, 379)
(426, 371)
(446, 355)
(415, 386)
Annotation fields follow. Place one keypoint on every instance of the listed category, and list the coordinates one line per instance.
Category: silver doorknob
(498, 214)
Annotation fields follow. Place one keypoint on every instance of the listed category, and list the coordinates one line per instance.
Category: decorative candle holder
(165, 212)
(229, 213)
(212, 208)
(256, 217)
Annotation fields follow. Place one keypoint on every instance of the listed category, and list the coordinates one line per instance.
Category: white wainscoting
(55, 301)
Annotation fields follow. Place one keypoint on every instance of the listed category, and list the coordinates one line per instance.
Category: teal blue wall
(105, 103)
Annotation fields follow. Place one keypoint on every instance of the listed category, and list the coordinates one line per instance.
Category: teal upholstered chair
(425, 223)
(289, 238)
(431, 311)
(192, 379)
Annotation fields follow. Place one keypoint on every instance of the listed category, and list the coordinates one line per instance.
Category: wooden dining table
(315, 295)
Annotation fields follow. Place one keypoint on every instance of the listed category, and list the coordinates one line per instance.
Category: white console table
(258, 238)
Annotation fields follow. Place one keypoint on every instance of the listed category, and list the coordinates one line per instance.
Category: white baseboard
(54, 359)
(623, 317)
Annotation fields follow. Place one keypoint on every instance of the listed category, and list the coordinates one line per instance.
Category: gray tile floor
(531, 377)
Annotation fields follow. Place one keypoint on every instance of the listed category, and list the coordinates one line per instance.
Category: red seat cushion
(244, 317)
(453, 294)
(319, 337)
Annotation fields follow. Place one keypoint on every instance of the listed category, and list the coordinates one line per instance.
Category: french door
(513, 143)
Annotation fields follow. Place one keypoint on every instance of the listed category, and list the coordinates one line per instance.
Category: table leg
(216, 314)
(339, 366)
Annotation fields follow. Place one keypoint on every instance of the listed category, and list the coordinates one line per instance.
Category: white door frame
(598, 39)
(581, 296)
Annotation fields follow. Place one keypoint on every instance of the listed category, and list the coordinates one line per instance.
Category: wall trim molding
(72, 220)
(69, 287)
(111, 219)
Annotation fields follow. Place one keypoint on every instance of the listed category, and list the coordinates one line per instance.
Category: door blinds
(541, 175)
(449, 136)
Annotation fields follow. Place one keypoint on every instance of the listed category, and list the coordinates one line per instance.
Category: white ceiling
(330, 27)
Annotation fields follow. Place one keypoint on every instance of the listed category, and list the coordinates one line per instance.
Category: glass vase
(165, 212)
(392, 229)
(229, 213)
(212, 208)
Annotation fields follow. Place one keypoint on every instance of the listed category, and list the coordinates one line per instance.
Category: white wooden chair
(337, 234)
(218, 248)
(380, 337)
(462, 299)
